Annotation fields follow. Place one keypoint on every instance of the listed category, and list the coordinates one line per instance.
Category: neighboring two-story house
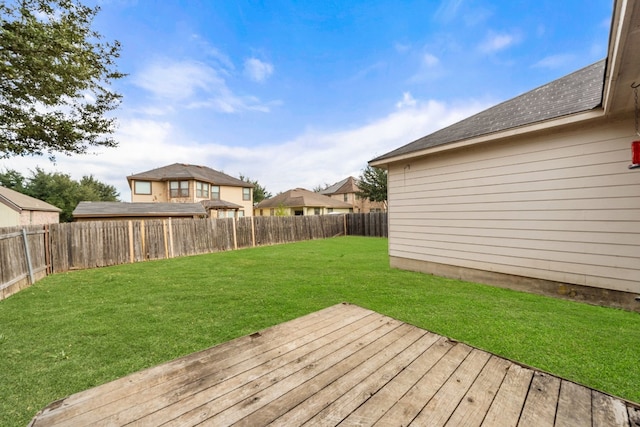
(222, 195)
(347, 191)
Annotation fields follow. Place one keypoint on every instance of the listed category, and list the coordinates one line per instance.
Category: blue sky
(300, 94)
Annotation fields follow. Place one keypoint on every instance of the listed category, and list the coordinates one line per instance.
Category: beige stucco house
(347, 191)
(535, 193)
(222, 195)
(17, 209)
(299, 201)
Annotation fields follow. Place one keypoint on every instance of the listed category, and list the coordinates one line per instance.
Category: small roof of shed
(185, 171)
(20, 202)
(577, 92)
(124, 209)
(298, 197)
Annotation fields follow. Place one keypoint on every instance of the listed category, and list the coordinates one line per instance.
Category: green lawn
(76, 330)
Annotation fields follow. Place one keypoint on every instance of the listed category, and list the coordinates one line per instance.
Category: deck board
(342, 365)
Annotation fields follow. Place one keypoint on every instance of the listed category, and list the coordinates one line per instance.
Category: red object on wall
(635, 152)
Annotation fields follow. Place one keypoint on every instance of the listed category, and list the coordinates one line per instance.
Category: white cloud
(257, 70)
(429, 68)
(401, 47)
(498, 41)
(312, 158)
(448, 10)
(178, 80)
(555, 61)
(407, 101)
(430, 60)
(191, 85)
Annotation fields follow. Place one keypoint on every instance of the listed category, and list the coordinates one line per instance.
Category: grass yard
(76, 330)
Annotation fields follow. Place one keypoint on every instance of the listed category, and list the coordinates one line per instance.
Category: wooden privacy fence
(30, 253)
(24, 257)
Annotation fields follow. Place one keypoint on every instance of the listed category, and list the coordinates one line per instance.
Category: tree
(99, 190)
(320, 187)
(373, 185)
(259, 192)
(13, 180)
(55, 76)
(60, 190)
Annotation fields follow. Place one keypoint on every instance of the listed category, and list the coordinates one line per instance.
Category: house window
(346, 197)
(271, 211)
(215, 192)
(330, 210)
(240, 213)
(142, 187)
(316, 211)
(246, 194)
(202, 190)
(260, 212)
(179, 188)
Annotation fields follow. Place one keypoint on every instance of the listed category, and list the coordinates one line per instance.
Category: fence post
(235, 238)
(166, 244)
(47, 250)
(131, 254)
(345, 223)
(253, 233)
(142, 243)
(170, 239)
(28, 255)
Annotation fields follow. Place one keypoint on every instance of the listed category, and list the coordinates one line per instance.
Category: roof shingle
(300, 197)
(186, 171)
(118, 209)
(24, 202)
(575, 93)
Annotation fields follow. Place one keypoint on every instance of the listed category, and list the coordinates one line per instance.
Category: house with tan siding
(347, 191)
(299, 201)
(222, 195)
(535, 193)
(17, 209)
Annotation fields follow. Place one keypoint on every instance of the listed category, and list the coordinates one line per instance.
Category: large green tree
(373, 185)
(59, 189)
(55, 77)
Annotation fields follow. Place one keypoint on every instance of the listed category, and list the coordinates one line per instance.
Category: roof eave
(508, 133)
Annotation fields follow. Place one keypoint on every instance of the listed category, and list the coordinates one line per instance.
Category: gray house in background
(535, 193)
(107, 211)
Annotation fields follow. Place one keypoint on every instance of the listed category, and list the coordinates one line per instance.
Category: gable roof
(347, 185)
(178, 171)
(19, 202)
(124, 209)
(299, 197)
(575, 93)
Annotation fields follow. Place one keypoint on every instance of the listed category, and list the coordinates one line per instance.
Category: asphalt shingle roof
(113, 209)
(300, 197)
(575, 93)
(185, 171)
(24, 202)
(347, 185)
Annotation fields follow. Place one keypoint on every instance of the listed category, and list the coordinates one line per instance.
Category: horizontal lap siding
(561, 207)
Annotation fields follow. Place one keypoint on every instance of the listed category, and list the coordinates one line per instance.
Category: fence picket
(57, 248)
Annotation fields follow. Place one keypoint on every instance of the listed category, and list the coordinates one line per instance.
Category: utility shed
(535, 193)
(17, 209)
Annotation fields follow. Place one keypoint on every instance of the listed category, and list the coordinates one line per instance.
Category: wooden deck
(342, 365)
